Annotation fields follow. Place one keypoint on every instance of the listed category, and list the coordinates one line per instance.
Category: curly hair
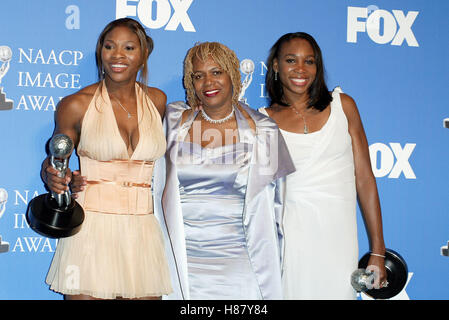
(223, 56)
(146, 45)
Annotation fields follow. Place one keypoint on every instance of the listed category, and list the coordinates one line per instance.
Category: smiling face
(213, 86)
(121, 55)
(297, 69)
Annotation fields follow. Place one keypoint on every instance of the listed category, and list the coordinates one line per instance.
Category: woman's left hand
(377, 264)
(78, 183)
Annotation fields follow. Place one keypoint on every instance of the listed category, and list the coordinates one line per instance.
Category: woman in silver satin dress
(222, 201)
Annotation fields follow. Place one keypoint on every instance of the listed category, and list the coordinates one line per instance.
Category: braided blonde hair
(223, 56)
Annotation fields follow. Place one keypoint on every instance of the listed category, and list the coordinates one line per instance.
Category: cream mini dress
(119, 251)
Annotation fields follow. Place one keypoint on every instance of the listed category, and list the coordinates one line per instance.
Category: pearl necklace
(209, 119)
(306, 129)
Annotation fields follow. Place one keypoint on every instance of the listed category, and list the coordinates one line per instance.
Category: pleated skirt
(112, 256)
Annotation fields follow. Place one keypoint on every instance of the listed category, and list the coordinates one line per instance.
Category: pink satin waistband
(117, 186)
(121, 184)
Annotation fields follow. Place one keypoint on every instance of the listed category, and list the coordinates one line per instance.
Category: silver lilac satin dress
(212, 186)
(260, 218)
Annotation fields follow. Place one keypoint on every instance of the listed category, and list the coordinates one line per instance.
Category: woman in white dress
(327, 142)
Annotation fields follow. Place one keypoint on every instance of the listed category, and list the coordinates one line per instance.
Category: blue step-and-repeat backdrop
(391, 56)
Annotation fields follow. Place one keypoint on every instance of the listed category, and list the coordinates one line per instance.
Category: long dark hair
(319, 96)
(146, 45)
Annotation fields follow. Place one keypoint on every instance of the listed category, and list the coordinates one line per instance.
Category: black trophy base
(397, 274)
(45, 217)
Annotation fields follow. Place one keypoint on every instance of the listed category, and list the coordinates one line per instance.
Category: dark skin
(121, 56)
(296, 69)
(210, 78)
(213, 87)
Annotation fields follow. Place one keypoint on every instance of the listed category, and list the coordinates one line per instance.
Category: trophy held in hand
(362, 280)
(56, 215)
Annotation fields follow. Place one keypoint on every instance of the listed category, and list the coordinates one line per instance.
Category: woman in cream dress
(117, 128)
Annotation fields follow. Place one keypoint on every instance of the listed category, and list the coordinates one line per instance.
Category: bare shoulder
(159, 99)
(157, 95)
(75, 105)
(352, 113)
(348, 104)
(70, 112)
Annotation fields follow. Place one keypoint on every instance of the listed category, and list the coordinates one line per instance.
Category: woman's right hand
(59, 185)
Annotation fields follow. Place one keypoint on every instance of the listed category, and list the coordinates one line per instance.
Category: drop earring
(275, 76)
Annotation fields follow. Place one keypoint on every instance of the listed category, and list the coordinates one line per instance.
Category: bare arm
(365, 184)
(68, 117)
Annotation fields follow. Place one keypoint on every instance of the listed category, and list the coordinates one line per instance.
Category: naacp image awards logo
(4, 246)
(5, 58)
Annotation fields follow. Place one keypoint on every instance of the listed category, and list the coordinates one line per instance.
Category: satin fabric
(117, 186)
(262, 213)
(212, 190)
(321, 247)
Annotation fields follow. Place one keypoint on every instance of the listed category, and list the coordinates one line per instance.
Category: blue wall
(396, 67)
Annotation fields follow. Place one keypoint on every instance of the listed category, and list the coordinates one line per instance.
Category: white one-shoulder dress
(320, 225)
